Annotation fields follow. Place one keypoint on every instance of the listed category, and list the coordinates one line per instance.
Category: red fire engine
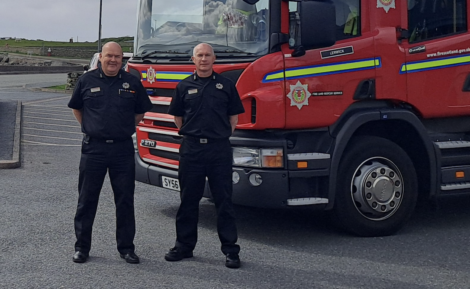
(359, 107)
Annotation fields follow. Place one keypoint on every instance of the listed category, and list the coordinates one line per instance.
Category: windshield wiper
(232, 52)
(229, 49)
(164, 52)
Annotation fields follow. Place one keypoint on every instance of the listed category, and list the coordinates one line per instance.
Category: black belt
(203, 140)
(87, 139)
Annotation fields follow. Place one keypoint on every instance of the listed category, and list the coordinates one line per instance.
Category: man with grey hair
(206, 107)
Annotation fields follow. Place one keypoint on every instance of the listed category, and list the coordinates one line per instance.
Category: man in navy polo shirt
(206, 107)
(108, 103)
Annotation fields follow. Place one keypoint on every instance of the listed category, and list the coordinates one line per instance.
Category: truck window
(429, 19)
(348, 21)
(172, 28)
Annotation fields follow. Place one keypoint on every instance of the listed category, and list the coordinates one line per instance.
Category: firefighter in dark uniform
(108, 103)
(206, 107)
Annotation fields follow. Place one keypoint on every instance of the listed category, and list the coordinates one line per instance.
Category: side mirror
(251, 2)
(317, 24)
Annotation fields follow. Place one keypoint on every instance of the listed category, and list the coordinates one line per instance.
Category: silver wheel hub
(377, 188)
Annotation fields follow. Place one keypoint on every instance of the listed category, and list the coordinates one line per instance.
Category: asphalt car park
(280, 248)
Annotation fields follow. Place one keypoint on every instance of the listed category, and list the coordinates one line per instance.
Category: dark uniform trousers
(198, 160)
(98, 158)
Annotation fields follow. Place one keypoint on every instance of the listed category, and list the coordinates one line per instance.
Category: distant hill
(5, 43)
(117, 39)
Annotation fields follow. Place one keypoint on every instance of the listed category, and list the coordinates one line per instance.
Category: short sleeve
(143, 103)
(76, 102)
(235, 105)
(176, 105)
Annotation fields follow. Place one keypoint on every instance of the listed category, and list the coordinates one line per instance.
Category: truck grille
(163, 130)
(158, 108)
(165, 138)
(165, 155)
(164, 124)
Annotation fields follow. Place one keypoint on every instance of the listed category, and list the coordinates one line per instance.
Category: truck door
(438, 57)
(320, 84)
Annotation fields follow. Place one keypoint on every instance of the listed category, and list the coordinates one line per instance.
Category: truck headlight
(246, 157)
(265, 158)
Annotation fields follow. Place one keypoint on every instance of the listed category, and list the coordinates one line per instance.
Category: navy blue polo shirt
(205, 105)
(109, 104)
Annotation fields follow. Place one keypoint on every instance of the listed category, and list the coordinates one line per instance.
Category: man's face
(204, 58)
(111, 59)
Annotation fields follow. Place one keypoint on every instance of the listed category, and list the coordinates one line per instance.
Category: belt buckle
(203, 140)
(109, 141)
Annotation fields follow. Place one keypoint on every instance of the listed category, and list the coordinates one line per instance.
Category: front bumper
(272, 193)
(278, 187)
(149, 174)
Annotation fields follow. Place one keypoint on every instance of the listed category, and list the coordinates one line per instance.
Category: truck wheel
(377, 190)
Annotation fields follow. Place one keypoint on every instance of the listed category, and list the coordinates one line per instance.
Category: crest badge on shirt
(219, 86)
(125, 85)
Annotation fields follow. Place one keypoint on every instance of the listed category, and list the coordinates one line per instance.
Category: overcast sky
(60, 20)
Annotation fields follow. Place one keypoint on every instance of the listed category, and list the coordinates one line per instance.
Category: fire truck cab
(357, 107)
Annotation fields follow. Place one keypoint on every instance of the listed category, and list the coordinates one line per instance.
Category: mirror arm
(277, 39)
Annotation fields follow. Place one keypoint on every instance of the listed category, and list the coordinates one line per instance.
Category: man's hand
(138, 118)
(233, 121)
(179, 121)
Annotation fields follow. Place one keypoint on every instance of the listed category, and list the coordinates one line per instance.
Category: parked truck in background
(357, 107)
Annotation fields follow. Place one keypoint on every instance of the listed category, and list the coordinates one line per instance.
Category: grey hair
(200, 44)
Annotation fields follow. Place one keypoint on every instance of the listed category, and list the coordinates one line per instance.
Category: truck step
(306, 201)
(453, 144)
(455, 186)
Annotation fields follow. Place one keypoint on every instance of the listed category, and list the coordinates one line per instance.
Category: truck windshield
(169, 29)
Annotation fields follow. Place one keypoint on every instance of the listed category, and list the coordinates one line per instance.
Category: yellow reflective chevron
(274, 76)
(418, 66)
(171, 76)
(319, 70)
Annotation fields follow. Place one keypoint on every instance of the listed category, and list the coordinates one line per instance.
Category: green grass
(58, 87)
(41, 43)
(37, 43)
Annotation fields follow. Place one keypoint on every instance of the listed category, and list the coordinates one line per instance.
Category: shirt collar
(196, 77)
(102, 75)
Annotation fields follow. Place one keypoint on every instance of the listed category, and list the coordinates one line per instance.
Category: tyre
(376, 188)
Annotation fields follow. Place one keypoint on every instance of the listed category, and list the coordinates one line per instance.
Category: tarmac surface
(294, 248)
(11, 111)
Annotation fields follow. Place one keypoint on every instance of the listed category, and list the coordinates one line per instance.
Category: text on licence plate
(170, 183)
(148, 143)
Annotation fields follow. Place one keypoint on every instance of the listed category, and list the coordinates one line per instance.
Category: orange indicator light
(301, 165)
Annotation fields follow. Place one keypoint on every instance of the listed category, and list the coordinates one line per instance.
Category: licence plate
(148, 143)
(170, 183)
